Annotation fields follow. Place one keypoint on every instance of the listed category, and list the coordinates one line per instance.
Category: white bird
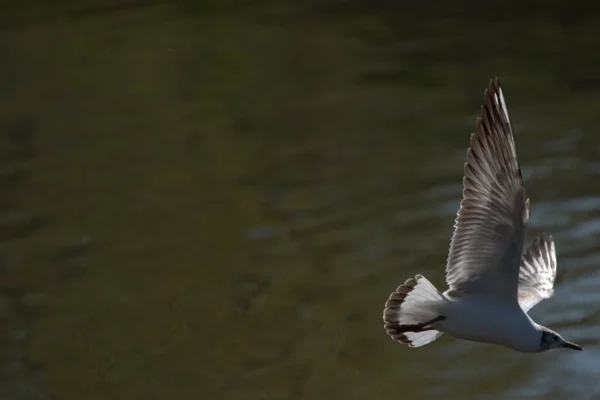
(492, 284)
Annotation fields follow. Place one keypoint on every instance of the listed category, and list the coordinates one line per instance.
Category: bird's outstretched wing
(489, 232)
(537, 273)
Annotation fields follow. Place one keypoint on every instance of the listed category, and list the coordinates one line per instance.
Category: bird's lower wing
(537, 272)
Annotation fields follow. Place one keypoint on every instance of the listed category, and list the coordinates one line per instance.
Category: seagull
(492, 283)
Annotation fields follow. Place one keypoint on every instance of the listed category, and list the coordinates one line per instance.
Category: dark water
(213, 200)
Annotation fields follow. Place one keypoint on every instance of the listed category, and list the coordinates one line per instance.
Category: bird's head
(551, 340)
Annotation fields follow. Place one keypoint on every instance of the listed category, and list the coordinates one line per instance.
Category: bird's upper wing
(537, 273)
(490, 227)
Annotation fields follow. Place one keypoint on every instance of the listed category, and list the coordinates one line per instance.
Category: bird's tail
(410, 310)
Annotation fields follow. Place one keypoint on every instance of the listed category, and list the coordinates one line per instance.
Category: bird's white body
(479, 320)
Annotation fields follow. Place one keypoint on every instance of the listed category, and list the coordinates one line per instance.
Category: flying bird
(492, 282)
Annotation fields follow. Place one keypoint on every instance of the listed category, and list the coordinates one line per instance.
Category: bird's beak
(571, 346)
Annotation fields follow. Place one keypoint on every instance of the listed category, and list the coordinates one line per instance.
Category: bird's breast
(479, 321)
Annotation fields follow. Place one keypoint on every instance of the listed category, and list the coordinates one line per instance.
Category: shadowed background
(214, 199)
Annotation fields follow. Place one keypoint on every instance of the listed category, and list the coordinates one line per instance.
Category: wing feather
(538, 272)
(490, 227)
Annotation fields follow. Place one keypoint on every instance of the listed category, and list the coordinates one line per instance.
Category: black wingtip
(493, 86)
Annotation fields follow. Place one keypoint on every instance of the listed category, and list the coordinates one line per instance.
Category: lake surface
(215, 201)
